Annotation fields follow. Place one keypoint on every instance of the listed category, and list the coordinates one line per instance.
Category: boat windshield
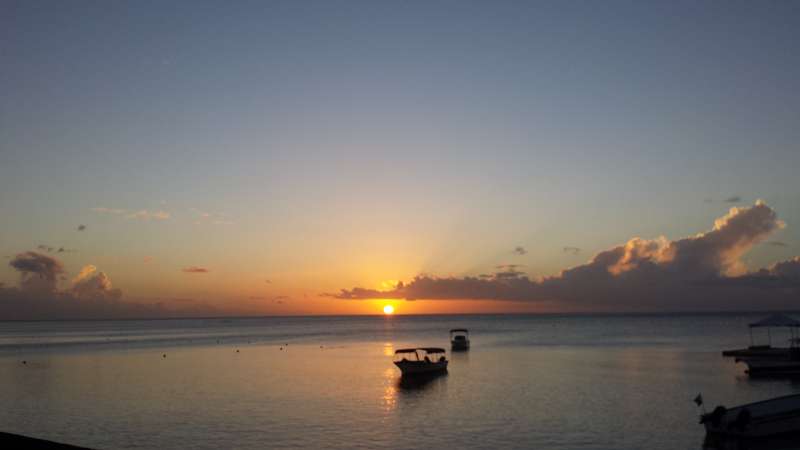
(459, 333)
(420, 354)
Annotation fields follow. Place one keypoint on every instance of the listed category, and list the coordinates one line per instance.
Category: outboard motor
(742, 420)
(715, 416)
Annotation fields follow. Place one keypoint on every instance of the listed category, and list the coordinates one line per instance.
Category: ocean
(528, 381)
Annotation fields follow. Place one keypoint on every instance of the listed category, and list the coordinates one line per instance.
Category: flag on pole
(699, 399)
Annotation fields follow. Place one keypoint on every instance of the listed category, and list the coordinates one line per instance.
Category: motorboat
(459, 339)
(767, 350)
(768, 361)
(767, 418)
(419, 361)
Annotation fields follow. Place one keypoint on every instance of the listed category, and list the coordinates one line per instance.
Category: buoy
(237, 350)
(164, 355)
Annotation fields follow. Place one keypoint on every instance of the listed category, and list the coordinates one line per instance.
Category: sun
(388, 310)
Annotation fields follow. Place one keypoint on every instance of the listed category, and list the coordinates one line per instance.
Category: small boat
(767, 351)
(762, 419)
(419, 361)
(459, 339)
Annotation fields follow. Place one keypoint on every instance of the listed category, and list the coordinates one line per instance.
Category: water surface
(556, 382)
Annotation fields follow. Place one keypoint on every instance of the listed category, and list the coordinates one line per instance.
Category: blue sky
(325, 137)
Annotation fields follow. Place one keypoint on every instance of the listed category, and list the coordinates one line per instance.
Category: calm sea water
(551, 382)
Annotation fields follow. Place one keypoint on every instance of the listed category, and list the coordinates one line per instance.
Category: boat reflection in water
(421, 382)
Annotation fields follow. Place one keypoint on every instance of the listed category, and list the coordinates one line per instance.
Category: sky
(204, 158)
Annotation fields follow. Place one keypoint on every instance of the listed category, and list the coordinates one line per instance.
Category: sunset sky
(306, 157)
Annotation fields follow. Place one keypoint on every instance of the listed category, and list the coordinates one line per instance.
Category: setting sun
(388, 309)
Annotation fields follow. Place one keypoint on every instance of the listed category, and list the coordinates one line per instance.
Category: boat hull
(410, 368)
(779, 416)
(758, 352)
(771, 367)
(459, 345)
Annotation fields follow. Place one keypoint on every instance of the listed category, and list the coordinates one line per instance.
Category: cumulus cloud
(38, 272)
(789, 270)
(90, 295)
(195, 269)
(94, 285)
(697, 272)
(519, 250)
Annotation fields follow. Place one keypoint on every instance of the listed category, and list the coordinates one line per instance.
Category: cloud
(49, 249)
(786, 269)
(519, 250)
(141, 214)
(38, 272)
(89, 296)
(571, 250)
(92, 284)
(146, 215)
(733, 199)
(697, 272)
(195, 269)
(203, 217)
(81, 227)
(114, 211)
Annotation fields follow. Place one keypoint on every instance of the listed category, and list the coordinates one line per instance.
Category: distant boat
(767, 351)
(459, 339)
(762, 419)
(418, 361)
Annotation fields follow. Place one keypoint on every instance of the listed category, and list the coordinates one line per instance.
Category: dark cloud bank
(701, 272)
(90, 295)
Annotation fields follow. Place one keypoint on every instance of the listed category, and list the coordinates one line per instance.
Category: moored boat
(767, 350)
(459, 339)
(767, 418)
(419, 361)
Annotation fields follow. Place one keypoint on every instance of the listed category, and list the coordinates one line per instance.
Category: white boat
(459, 339)
(767, 418)
(419, 361)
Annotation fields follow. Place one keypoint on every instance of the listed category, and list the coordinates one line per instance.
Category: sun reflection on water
(389, 398)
